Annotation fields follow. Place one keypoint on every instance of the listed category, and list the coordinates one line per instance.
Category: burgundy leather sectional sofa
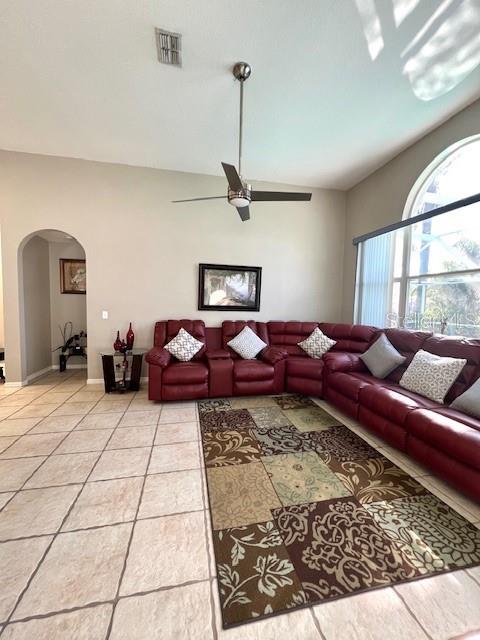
(443, 439)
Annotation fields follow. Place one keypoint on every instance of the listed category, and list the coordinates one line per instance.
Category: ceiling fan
(239, 193)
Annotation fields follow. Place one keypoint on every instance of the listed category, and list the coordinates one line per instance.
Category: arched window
(430, 269)
(453, 175)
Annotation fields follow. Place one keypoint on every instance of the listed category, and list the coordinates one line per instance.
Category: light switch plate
(104, 315)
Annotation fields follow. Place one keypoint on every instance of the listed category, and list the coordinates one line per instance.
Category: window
(426, 274)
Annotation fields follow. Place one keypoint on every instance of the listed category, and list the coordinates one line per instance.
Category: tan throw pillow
(316, 344)
(184, 346)
(430, 375)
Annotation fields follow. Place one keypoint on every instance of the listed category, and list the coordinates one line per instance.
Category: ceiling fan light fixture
(239, 201)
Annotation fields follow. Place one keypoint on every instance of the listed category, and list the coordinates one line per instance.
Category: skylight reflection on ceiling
(402, 9)
(371, 26)
(450, 54)
(443, 51)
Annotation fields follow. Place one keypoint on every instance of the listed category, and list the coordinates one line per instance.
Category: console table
(121, 371)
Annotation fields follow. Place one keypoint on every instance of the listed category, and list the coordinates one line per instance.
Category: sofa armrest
(217, 354)
(272, 355)
(344, 362)
(159, 357)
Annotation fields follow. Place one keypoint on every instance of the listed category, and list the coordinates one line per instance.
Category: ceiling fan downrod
(241, 72)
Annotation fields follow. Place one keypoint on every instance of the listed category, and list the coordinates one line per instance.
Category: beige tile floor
(105, 531)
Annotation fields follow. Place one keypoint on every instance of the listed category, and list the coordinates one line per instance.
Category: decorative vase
(130, 338)
(117, 345)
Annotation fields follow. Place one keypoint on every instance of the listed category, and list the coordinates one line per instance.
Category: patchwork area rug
(303, 510)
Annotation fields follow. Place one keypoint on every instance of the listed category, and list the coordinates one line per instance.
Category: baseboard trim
(36, 374)
(100, 380)
(69, 366)
(41, 372)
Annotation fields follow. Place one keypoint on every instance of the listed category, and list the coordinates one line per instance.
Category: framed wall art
(223, 287)
(73, 275)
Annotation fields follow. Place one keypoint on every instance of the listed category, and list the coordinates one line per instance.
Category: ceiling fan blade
(196, 199)
(233, 178)
(277, 196)
(244, 213)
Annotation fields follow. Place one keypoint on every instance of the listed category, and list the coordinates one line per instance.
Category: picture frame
(73, 276)
(223, 287)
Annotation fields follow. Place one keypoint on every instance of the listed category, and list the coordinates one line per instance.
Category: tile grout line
(53, 452)
(132, 530)
(472, 577)
(32, 402)
(67, 433)
(28, 433)
(69, 484)
(411, 612)
(93, 527)
(96, 603)
(54, 537)
(207, 519)
(316, 622)
(23, 407)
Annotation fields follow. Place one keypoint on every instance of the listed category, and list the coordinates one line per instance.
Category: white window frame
(410, 210)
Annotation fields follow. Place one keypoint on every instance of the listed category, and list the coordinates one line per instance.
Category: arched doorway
(52, 302)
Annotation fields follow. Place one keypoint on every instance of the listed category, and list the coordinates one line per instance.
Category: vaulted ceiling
(338, 86)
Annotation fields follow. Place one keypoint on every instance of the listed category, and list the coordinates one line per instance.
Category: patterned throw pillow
(247, 344)
(430, 375)
(184, 346)
(316, 344)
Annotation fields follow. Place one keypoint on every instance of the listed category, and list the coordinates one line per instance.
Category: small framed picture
(223, 287)
(73, 276)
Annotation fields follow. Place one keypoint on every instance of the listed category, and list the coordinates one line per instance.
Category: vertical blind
(374, 272)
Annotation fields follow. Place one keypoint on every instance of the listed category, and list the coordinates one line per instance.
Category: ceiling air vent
(169, 47)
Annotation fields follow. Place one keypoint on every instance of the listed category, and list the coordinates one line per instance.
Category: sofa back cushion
(354, 338)
(166, 330)
(288, 334)
(230, 329)
(467, 348)
(214, 338)
(407, 343)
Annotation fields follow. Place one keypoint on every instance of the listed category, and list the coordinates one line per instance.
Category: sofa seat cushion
(350, 384)
(459, 416)
(252, 371)
(393, 402)
(300, 367)
(185, 373)
(445, 433)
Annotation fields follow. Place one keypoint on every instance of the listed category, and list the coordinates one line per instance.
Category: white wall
(65, 307)
(143, 251)
(2, 324)
(380, 199)
(36, 292)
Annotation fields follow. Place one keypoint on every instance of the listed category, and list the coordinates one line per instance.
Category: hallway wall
(65, 307)
(36, 298)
